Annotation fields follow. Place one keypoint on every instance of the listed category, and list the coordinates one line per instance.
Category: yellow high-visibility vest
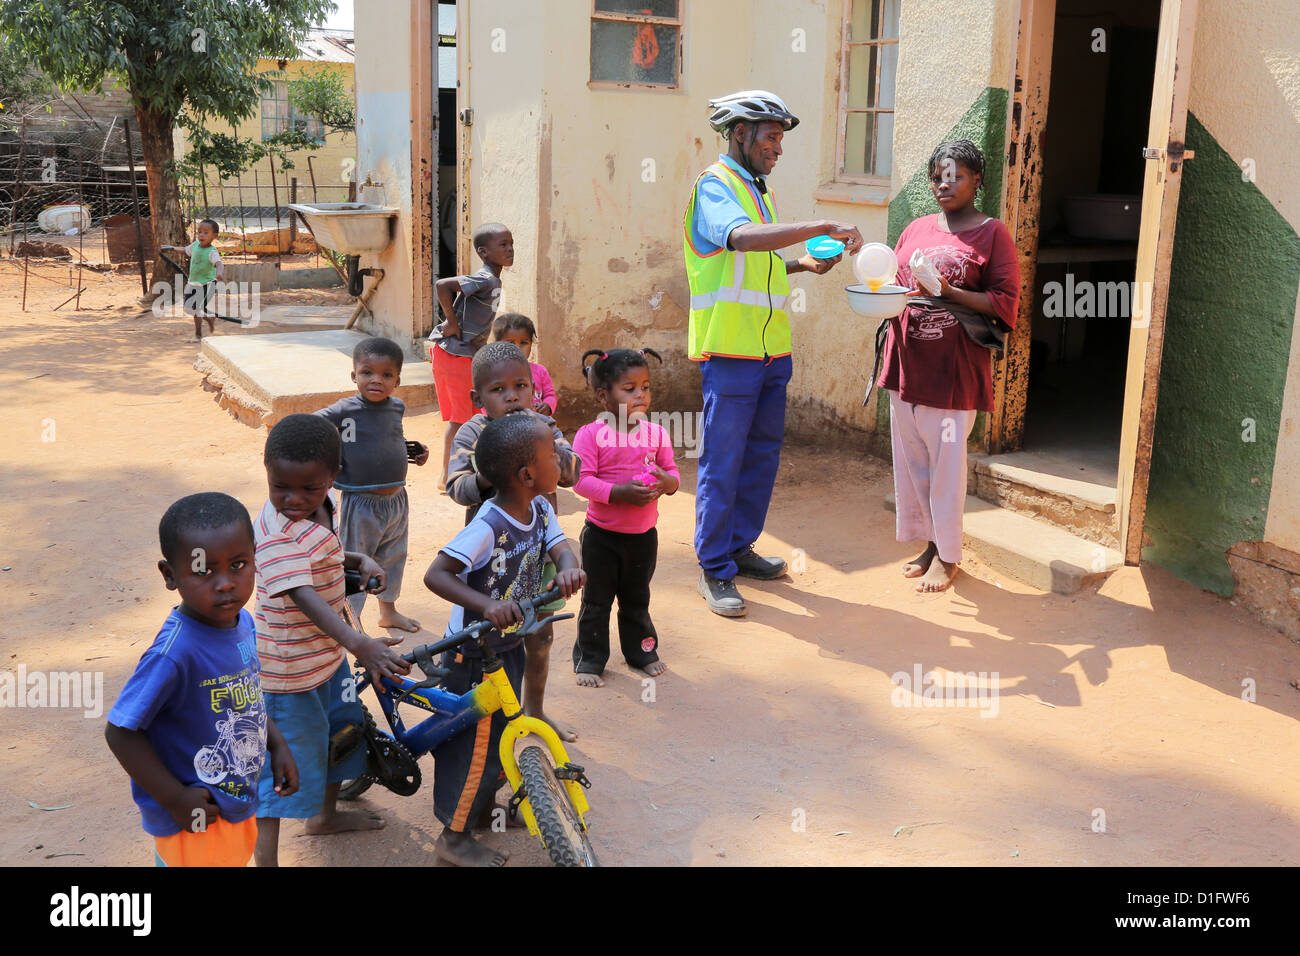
(737, 299)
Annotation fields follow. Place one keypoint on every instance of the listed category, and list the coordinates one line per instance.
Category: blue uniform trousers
(744, 423)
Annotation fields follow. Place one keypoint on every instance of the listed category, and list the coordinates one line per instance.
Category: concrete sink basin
(349, 228)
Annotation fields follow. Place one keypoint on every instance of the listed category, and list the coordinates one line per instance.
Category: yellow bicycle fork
(497, 694)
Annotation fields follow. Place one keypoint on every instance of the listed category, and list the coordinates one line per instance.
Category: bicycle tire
(351, 789)
(562, 831)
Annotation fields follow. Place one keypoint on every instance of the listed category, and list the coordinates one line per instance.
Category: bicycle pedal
(571, 771)
(519, 797)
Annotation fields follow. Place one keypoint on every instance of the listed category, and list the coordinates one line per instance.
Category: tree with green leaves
(175, 55)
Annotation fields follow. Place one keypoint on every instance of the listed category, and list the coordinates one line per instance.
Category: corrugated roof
(328, 46)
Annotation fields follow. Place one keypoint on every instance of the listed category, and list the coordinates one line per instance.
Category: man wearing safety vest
(740, 333)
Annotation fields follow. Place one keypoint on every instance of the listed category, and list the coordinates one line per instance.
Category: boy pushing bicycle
(498, 559)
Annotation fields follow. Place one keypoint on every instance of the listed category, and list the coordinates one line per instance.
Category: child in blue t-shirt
(499, 558)
(189, 726)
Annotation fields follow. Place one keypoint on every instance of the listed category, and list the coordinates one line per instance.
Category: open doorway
(446, 204)
(1103, 63)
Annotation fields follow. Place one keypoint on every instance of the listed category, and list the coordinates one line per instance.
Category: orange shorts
(452, 382)
(221, 844)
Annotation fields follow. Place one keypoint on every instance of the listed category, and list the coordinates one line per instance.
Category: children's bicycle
(547, 788)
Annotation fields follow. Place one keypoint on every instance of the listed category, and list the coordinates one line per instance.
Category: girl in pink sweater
(519, 330)
(627, 463)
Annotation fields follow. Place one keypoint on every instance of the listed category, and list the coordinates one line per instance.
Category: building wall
(598, 257)
(331, 163)
(1226, 461)
(384, 89)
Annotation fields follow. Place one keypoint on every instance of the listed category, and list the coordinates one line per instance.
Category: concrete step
(1062, 492)
(262, 378)
(1030, 550)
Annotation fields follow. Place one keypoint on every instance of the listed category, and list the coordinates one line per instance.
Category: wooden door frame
(1022, 206)
(1165, 155)
(1022, 194)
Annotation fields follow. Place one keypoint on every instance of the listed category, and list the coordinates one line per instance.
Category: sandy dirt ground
(1120, 734)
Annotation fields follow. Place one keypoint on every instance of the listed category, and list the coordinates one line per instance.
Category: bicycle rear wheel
(563, 834)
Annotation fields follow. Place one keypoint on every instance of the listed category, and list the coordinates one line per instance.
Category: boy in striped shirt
(305, 631)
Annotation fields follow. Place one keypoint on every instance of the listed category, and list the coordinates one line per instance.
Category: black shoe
(751, 565)
(722, 596)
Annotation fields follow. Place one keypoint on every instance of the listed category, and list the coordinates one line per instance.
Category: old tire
(561, 829)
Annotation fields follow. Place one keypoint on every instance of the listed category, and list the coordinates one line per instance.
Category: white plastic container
(875, 265)
(885, 303)
(58, 220)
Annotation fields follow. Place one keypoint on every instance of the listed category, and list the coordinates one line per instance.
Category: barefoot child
(305, 631)
(205, 268)
(468, 321)
(937, 376)
(519, 330)
(374, 511)
(190, 727)
(503, 385)
(627, 463)
(497, 559)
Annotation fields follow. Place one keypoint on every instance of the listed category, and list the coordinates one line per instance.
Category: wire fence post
(135, 199)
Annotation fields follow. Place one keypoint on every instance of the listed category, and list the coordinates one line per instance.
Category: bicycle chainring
(390, 763)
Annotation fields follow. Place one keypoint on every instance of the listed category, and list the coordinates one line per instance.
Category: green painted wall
(1232, 295)
(985, 125)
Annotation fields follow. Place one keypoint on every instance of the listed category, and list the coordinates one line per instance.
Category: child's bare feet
(461, 849)
(345, 821)
(589, 680)
(938, 577)
(921, 563)
(655, 668)
(564, 730)
(389, 616)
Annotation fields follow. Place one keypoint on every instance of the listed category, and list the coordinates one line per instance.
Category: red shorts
(452, 382)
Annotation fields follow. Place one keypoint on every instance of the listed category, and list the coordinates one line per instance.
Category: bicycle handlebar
(531, 624)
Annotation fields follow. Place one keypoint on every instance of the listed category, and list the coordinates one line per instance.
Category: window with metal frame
(279, 116)
(868, 76)
(636, 44)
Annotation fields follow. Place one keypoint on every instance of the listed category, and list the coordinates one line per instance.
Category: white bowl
(885, 303)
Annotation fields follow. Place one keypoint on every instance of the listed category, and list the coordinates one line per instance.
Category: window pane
(888, 74)
(860, 20)
(862, 77)
(890, 26)
(857, 143)
(884, 143)
(633, 53)
(652, 8)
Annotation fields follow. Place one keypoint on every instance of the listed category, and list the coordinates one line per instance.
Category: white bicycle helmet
(752, 105)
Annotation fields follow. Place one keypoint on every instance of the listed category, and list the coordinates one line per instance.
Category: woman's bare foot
(461, 849)
(921, 563)
(589, 680)
(655, 668)
(345, 821)
(939, 577)
(389, 616)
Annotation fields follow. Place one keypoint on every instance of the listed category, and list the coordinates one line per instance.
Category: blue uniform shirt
(716, 210)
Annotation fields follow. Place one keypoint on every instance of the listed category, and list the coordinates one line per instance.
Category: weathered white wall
(383, 83)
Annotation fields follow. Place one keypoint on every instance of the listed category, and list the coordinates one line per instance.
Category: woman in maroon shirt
(936, 375)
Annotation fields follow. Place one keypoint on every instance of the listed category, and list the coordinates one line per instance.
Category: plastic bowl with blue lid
(823, 247)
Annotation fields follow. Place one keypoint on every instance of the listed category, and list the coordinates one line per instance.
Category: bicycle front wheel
(562, 831)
